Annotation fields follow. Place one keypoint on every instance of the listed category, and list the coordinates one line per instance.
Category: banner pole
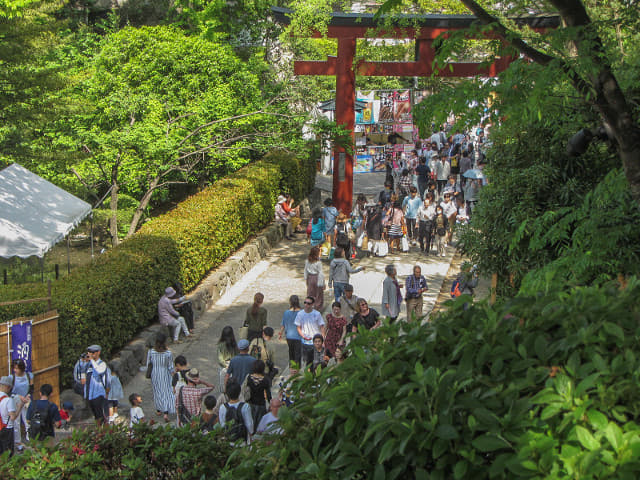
(8, 348)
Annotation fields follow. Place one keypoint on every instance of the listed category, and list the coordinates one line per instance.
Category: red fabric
(334, 332)
(192, 398)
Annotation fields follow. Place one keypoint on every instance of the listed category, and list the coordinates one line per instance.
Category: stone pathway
(278, 276)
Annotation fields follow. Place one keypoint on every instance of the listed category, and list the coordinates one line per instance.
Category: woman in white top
(314, 277)
(426, 213)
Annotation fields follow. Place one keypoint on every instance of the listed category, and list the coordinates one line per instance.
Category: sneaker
(444, 254)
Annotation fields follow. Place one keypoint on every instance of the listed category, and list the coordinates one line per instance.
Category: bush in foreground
(541, 387)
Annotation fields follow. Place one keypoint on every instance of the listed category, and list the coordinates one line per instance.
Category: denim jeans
(338, 290)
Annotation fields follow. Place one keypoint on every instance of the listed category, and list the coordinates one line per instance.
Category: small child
(116, 393)
(209, 417)
(320, 354)
(43, 415)
(136, 414)
(66, 413)
(178, 380)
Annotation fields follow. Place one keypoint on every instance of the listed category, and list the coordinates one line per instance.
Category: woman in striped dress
(162, 359)
(396, 226)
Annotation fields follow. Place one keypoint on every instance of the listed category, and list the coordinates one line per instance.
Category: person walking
(415, 285)
(391, 294)
(290, 331)
(426, 214)
(317, 228)
(189, 397)
(440, 226)
(259, 387)
(396, 226)
(256, 317)
(227, 349)
(97, 384)
(314, 277)
(411, 205)
(309, 323)
(160, 362)
(241, 365)
(339, 271)
(336, 328)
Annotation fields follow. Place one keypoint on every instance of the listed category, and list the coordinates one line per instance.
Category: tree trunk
(113, 222)
(144, 203)
(601, 89)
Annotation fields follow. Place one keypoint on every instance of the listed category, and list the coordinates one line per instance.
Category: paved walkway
(278, 276)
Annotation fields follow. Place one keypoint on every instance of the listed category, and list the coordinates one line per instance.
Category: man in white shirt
(8, 414)
(309, 323)
(267, 422)
(449, 209)
(224, 414)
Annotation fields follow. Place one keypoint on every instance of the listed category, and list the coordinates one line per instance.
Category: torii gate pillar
(345, 116)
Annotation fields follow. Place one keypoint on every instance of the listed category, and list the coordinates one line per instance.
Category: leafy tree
(162, 109)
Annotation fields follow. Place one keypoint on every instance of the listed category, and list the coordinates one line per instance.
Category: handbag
(365, 242)
(441, 231)
(309, 227)
(149, 370)
(404, 244)
(325, 249)
(243, 333)
(246, 390)
(382, 249)
(360, 240)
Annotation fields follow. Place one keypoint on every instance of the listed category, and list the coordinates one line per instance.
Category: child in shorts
(136, 415)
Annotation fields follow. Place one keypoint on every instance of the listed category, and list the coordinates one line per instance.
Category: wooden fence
(44, 352)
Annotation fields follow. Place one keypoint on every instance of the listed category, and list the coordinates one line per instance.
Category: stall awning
(34, 213)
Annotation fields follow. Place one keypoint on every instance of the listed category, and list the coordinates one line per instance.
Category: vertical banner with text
(21, 343)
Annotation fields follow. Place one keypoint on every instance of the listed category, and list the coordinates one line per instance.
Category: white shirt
(426, 213)
(246, 415)
(266, 424)
(6, 407)
(310, 324)
(448, 208)
(136, 414)
(443, 170)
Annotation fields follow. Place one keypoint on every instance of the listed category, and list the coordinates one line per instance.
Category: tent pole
(68, 253)
(91, 216)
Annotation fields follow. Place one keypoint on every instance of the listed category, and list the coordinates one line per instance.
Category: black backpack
(256, 351)
(234, 423)
(40, 424)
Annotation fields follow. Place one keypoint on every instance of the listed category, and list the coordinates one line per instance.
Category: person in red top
(190, 396)
(294, 213)
(336, 328)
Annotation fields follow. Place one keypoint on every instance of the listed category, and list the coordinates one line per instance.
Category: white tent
(34, 213)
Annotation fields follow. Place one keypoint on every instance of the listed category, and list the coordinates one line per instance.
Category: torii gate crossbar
(347, 28)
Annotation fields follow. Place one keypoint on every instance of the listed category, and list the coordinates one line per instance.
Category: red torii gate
(348, 27)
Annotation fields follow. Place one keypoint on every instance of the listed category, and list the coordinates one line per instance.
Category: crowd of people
(427, 192)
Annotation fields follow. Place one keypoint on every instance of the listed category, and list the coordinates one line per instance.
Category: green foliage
(110, 300)
(542, 387)
(113, 453)
(298, 173)
(208, 226)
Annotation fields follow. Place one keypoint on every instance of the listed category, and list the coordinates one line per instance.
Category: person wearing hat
(283, 218)
(169, 316)
(189, 397)
(97, 385)
(8, 414)
(241, 365)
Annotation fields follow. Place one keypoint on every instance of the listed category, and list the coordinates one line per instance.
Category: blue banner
(21, 343)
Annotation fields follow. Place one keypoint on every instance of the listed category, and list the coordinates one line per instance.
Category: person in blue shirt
(411, 205)
(290, 330)
(329, 214)
(97, 385)
(48, 414)
(415, 286)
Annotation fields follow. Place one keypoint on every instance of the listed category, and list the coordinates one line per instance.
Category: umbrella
(474, 173)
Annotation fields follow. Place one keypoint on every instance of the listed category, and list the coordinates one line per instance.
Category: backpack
(456, 288)
(234, 423)
(206, 427)
(256, 352)
(184, 415)
(40, 424)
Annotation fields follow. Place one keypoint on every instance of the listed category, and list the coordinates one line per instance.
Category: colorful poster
(362, 164)
(366, 116)
(386, 107)
(402, 107)
(21, 343)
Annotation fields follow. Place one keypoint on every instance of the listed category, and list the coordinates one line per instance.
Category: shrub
(111, 453)
(298, 173)
(542, 387)
(109, 301)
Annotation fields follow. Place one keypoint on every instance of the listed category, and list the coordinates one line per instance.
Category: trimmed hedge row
(109, 301)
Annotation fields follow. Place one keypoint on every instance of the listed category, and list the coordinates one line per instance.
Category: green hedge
(112, 299)
(298, 173)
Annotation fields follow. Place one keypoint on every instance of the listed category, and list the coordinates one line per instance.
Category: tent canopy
(34, 213)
